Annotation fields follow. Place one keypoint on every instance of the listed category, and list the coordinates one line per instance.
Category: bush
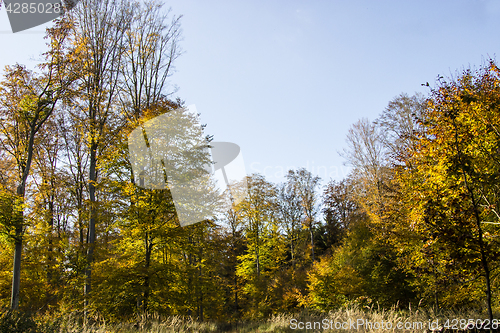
(16, 322)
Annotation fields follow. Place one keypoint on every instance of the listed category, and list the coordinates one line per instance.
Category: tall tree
(306, 185)
(451, 181)
(291, 214)
(368, 155)
(99, 28)
(27, 101)
(264, 244)
(340, 210)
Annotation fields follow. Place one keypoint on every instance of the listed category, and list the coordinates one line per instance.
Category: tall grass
(353, 319)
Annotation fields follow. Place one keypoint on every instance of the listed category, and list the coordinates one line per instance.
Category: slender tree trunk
(257, 263)
(482, 250)
(18, 247)
(436, 300)
(92, 221)
(200, 289)
(50, 249)
(292, 247)
(233, 230)
(436, 296)
(50, 224)
(236, 306)
(16, 276)
(312, 241)
(484, 260)
(80, 219)
(16, 272)
(148, 247)
(257, 250)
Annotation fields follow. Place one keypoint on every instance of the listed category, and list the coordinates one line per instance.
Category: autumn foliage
(415, 223)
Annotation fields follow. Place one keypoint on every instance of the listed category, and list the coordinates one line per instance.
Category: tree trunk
(292, 247)
(91, 230)
(50, 224)
(50, 249)
(235, 255)
(482, 250)
(16, 272)
(436, 296)
(200, 289)
(16, 276)
(257, 263)
(484, 260)
(312, 241)
(149, 248)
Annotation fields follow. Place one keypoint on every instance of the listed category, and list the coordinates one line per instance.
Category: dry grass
(349, 317)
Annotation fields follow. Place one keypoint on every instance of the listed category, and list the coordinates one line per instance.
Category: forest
(414, 225)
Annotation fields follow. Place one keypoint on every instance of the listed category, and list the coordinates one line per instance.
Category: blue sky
(286, 79)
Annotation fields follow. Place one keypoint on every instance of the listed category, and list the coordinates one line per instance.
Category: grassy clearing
(351, 319)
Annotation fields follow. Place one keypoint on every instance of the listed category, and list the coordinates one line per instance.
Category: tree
(291, 214)
(98, 28)
(264, 251)
(398, 123)
(450, 181)
(129, 51)
(363, 270)
(340, 210)
(232, 235)
(371, 174)
(306, 185)
(27, 101)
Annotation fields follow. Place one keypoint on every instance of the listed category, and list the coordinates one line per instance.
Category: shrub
(16, 322)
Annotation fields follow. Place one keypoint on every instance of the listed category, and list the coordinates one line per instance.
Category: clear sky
(286, 79)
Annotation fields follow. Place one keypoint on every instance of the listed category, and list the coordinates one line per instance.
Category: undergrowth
(350, 319)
